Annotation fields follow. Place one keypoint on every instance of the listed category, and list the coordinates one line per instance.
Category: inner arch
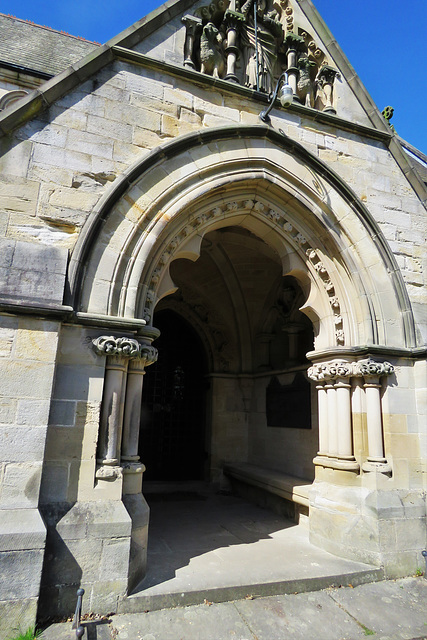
(245, 313)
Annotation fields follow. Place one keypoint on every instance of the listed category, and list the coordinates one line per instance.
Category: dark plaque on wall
(289, 405)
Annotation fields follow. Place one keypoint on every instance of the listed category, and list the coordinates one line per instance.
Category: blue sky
(383, 39)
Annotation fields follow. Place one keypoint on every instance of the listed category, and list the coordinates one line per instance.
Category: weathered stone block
(21, 485)
(62, 413)
(20, 198)
(22, 444)
(55, 482)
(7, 410)
(21, 529)
(114, 559)
(14, 158)
(16, 616)
(104, 596)
(37, 273)
(21, 571)
(79, 383)
(36, 340)
(32, 412)
(109, 128)
(19, 378)
(109, 520)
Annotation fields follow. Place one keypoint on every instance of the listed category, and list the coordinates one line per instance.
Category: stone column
(192, 26)
(132, 469)
(332, 419)
(323, 419)
(294, 44)
(345, 439)
(118, 352)
(232, 20)
(325, 80)
(335, 424)
(372, 372)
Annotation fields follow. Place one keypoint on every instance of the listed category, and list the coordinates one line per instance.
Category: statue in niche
(270, 37)
(305, 85)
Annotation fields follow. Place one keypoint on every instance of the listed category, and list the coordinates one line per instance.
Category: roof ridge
(42, 26)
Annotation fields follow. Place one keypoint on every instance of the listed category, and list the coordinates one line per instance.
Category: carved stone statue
(305, 84)
(211, 51)
(270, 36)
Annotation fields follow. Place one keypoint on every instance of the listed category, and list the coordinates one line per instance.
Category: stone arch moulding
(257, 178)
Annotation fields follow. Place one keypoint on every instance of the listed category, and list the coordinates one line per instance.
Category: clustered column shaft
(335, 412)
(126, 360)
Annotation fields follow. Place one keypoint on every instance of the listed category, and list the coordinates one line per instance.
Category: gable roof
(121, 46)
(39, 49)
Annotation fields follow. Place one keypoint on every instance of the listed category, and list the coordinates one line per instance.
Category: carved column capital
(326, 75)
(294, 42)
(112, 346)
(330, 371)
(192, 24)
(148, 354)
(334, 369)
(369, 369)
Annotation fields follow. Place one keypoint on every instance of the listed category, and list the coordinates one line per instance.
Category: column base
(231, 77)
(132, 477)
(379, 465)
(341, 464)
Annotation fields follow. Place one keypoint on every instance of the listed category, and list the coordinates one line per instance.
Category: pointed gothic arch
(263, 181)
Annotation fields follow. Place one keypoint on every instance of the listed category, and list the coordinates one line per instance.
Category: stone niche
(251, 43)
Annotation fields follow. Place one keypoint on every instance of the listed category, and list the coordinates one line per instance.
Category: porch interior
(209, 546)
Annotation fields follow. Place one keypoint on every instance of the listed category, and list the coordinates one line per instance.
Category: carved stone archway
(259, 181)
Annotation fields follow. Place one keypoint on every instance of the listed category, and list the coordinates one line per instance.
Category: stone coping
(272, 481)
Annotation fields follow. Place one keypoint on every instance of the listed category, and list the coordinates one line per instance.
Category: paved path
(388, 610)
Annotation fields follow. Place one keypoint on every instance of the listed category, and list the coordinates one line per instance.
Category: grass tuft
(30, 634)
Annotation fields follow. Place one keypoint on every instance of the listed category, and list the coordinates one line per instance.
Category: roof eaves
(43, 97)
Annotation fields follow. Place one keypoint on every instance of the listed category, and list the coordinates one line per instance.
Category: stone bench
(268, 481)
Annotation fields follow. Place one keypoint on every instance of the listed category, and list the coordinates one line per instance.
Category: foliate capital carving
(327, 75)
(126, 348)
(111, 346)
(369, 368)
(330, 371)
(327, 371)
(148, 353)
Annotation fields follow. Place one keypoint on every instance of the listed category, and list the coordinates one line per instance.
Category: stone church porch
(205, 545)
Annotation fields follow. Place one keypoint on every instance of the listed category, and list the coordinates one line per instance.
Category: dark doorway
(172, 439)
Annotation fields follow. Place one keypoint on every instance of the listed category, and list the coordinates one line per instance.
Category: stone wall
(56, 170)
(28, 348)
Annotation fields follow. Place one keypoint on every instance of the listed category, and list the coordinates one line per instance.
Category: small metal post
(424, 554)
(78, 613)
(80, 632)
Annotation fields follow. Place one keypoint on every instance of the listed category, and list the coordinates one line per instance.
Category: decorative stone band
(334, 369)
(125, 347)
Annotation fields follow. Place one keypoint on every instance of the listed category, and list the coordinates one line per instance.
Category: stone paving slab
(221, 548)
(388, 610)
